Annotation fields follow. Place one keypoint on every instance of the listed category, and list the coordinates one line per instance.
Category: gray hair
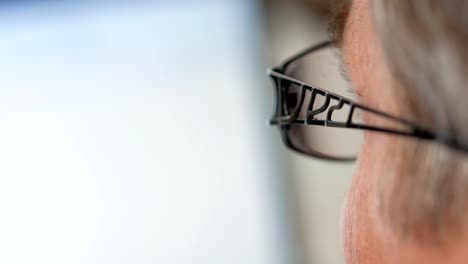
(424, 43)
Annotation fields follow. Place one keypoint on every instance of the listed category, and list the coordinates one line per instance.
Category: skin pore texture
(366, 234)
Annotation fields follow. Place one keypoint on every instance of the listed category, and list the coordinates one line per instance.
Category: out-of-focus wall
(131, 132)
(319, 187)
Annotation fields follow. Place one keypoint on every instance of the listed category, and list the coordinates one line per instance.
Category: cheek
(367, 241)
(362, 242)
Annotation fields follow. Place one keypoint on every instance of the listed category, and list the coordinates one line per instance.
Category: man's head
(408, 199)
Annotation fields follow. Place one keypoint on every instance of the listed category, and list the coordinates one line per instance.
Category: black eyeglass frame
(284, 120)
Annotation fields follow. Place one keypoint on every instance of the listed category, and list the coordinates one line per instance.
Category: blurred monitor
(127, 135)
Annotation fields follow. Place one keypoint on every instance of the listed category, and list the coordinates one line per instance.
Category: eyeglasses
(325, 123)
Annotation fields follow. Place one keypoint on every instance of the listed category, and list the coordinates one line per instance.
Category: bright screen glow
(113, 141)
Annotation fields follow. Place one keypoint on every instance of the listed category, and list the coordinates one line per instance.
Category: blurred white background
(134, 132)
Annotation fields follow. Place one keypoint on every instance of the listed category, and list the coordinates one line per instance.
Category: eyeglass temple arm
(411, 130)
(416, 131)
